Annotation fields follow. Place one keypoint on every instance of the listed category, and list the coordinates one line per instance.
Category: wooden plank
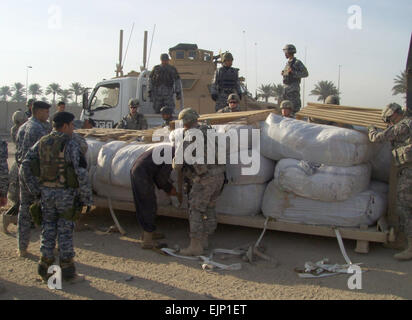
(344, 113)
(343, 107)
(370, 234)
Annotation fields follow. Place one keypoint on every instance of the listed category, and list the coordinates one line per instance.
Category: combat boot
(69, 272)
(7, 220)
(148, 242)
(22, 253)
(407, 254)
(195, 248)
(43, 267)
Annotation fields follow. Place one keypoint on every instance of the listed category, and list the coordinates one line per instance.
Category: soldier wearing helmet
(164, 82)
(226, 82)
(332, 100)
(233, 104)
(134, 120)
(167, 116)
(287, 109)
(205, 181)
(292, 74)
(399, 134)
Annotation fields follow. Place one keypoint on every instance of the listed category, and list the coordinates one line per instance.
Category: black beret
(166, 110)
(63, 117)
(41, 105)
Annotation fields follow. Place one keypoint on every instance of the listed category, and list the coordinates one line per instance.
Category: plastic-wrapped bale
(320, 182)
(241, 200)
(238, 136)
(381, 161)
(93, 149)
(126, 156)
(379, 187)
(104, 160)
(363, 209)
(259, 170)
(288, 138)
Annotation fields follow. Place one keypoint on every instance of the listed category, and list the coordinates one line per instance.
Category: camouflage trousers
(24, 218)
(404, 203)
(163, 97)
(292, 93)
(53, 228)
(202, 200)
(14, 186)
(221, 101)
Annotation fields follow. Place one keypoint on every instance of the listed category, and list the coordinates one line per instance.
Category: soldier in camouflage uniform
(28, 134)
(294, 71)
(134, 120)
(4, 179)
(399, 133)
(164, 81)
(332, 100)
(226, 82)
(287, 109)
(205, 180)
(54, 170)
(233, 104)
(167, 116)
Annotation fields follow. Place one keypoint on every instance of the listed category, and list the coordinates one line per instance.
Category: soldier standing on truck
(294, 71)
(226, 82)
(55, 172)
(205, 184)
(164, 81)
(134, 120)
(233, 104)
(28, 134)
(399, 133)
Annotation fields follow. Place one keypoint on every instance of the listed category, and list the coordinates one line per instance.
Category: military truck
(108, 102)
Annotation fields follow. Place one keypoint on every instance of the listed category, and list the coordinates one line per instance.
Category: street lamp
(27, 81)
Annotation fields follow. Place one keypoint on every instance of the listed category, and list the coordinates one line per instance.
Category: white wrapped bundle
(320, 182)
(364, 209)
(104, 160)
(289, 138)
(93, 149)
(260, 170)
(241, 200)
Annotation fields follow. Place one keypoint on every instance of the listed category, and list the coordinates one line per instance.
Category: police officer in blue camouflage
(29, 133)
(292, 74)
(55, 171)
(4, 179)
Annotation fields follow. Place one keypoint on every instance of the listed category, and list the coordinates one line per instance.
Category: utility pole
(304, 82)
(339, 81)
(256, 68)
(27, 81)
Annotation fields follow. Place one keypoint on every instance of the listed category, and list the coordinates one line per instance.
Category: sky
(77, 41)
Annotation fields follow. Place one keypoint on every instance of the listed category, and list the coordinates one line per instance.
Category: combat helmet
(286, 104)
(166, 110)
(227, 56)
(19, 117)
(164, 57)
(390, 110)
(134, 102)
(233, 96)
(290, 48)
(188, 115)
(332, 100)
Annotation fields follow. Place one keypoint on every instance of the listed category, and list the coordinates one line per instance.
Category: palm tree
(18, 89)
(35, 90)
(324, 89)
(265, 91)
(5, 92)
(400, 84)
(65, 95)
(53, 88)
(278, 91)
(77, 89)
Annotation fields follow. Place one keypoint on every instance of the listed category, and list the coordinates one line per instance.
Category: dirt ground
(117, 268)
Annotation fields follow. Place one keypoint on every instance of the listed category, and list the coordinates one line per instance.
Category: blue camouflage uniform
(56, 200)
(4, 169)
(29, 133)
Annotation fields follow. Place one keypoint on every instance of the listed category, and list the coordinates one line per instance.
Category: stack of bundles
(323, 177)
(247, 172)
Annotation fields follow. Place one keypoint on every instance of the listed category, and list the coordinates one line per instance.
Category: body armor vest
(228, 78)
(164, 75)
(402, 150)
(288, 78)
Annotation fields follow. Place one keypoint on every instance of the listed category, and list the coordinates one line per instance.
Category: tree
(5, 92)
(324, 89)
(53, 88)
(65, 95)
(400, 84)
(278, 91)
(265, 91)
(77, 89)
(35, 90)
(18, 89)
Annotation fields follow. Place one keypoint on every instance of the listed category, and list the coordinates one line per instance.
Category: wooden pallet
(343, 115)
(363, 236)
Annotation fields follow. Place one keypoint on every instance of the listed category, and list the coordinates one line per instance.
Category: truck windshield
(106, 96)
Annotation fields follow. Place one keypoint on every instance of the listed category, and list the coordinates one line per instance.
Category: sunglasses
(232, 101)
(133, 107)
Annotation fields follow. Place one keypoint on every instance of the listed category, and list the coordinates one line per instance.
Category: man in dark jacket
(145, 174)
